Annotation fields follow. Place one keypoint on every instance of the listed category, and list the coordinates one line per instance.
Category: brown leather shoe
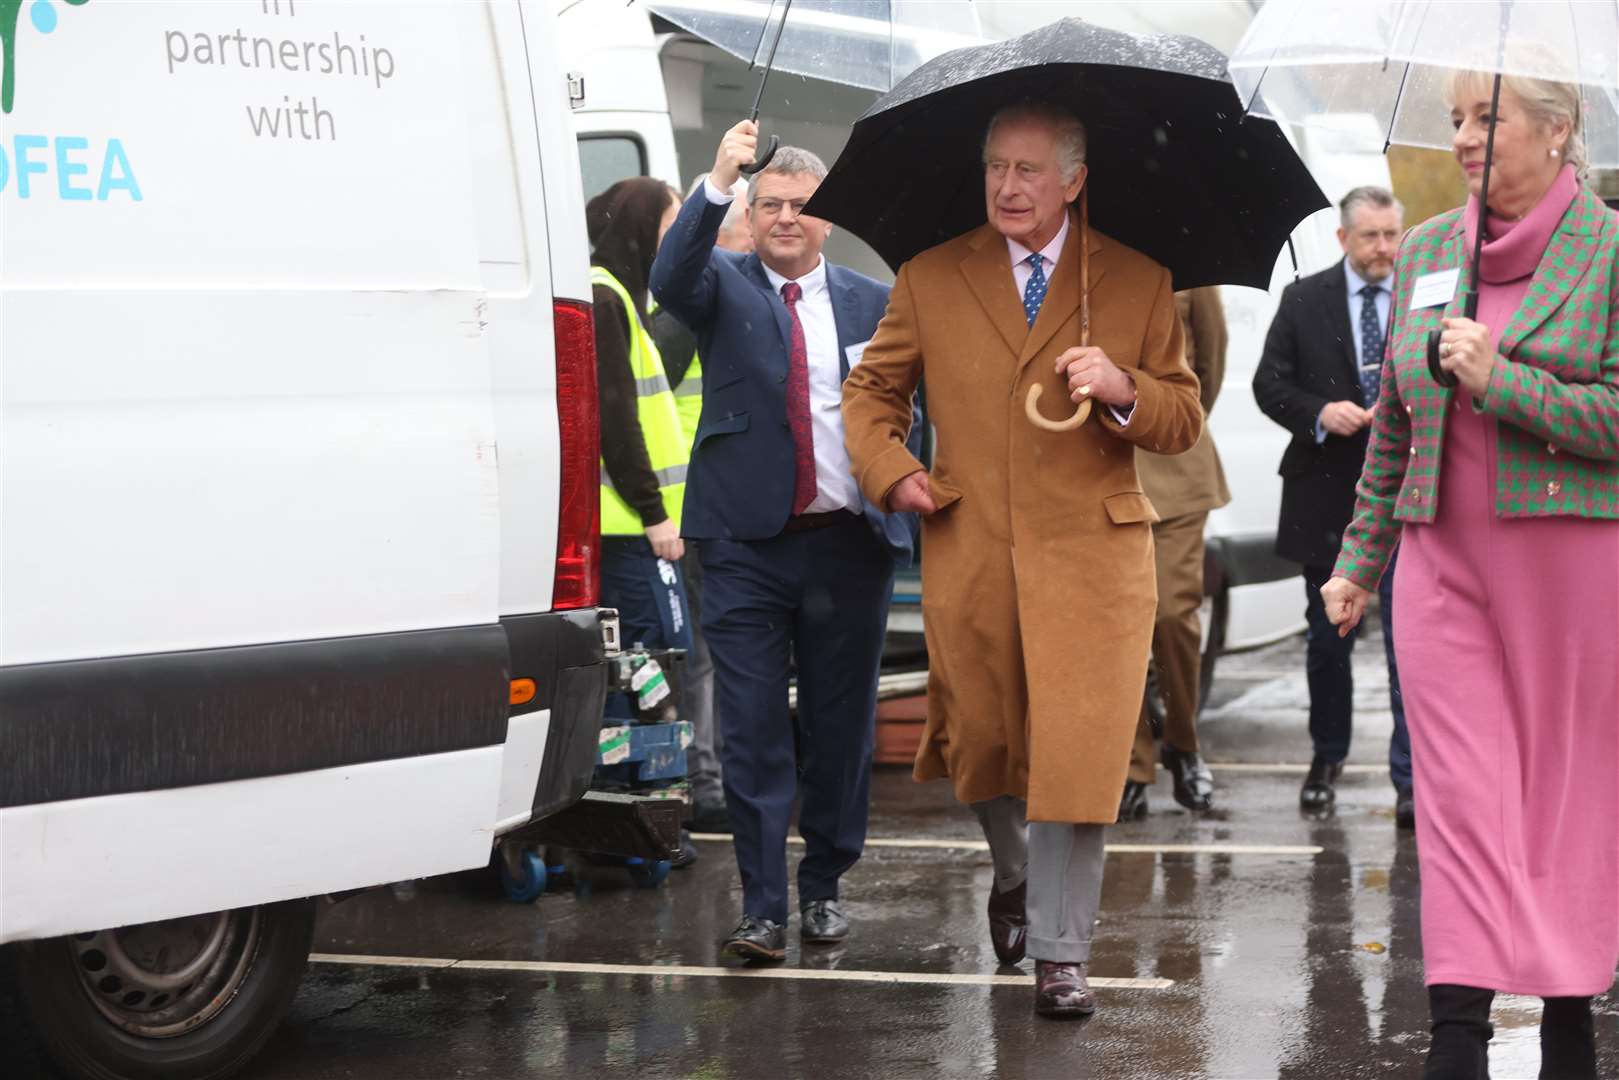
(1008, 922)
(1061, 990)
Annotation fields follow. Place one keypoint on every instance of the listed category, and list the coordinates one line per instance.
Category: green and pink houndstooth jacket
(1554, 391)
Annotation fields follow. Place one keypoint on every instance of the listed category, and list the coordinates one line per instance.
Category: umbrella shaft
(770, 61)
(1484, 198)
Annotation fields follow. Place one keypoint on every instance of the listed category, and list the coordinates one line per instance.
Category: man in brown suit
(1183, 489)
(1037, 583)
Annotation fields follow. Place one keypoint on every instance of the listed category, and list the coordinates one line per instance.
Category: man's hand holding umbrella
(737, 149)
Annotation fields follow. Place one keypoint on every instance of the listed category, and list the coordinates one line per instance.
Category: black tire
(1214, 647)
(240, 998)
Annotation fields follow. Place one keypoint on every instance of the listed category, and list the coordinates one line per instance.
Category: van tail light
(578, 571)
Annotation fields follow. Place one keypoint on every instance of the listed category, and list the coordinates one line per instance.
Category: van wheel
(183, 999)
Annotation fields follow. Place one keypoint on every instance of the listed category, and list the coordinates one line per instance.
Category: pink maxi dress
(1507, 636)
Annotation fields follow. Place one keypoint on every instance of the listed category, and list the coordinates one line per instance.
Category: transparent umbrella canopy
(867, 43)
(1313, 61)
(1305, 60)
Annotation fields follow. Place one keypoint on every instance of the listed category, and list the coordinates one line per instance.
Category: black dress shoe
(757, 939)
(1133, 806)
(822, 922)
(1405, 809)
(710, 818)
(1317, 792)
(1194, 783)
(1008, 922)
(1061, 990)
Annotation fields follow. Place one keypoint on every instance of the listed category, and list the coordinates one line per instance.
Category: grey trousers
(703, 766)
(1063, 866)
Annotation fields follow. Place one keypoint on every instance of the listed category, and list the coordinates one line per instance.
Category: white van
(656, 102)
(298, 482)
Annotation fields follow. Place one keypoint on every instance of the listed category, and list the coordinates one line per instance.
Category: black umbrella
(1175, 169)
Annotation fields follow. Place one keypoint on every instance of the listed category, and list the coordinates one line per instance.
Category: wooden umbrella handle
(1031, 409)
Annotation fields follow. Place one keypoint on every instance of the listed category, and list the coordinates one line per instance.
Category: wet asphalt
(1294, 962)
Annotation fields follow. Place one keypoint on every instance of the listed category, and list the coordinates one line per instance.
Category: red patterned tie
(798, 406)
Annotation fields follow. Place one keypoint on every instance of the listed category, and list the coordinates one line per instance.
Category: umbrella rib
(1394, 116)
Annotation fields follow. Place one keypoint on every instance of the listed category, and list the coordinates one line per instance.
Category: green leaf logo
(42, 13)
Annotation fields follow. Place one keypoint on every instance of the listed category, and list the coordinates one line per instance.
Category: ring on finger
(1444, 348)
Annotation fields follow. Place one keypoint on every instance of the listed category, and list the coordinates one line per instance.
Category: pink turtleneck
(1513, 249)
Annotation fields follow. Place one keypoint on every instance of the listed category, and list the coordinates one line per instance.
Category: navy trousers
(650, 595)
(1332, 683)
(818, 599)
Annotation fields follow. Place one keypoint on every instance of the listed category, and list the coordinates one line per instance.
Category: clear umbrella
(1305, 59)
(1314, 61)
(867, 43)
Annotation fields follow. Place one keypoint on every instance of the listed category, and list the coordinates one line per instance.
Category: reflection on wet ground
(1301, 964)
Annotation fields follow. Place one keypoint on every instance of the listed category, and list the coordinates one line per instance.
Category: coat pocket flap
(722, 425)
(1129, 508)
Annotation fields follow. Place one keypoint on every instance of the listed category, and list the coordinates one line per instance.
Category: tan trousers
(1177, 640)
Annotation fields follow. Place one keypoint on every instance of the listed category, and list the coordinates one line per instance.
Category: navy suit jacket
(740, 483)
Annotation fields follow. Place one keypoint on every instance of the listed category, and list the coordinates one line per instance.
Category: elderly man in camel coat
(1037, 571)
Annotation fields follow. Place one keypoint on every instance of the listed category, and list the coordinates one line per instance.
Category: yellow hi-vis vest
(689, 400)
(666, 444)
(689, 394)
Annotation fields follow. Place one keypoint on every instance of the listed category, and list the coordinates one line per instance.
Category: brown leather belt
(807, 522)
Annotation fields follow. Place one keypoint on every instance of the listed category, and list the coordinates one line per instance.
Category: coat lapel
(1568, 256)
(1335, 287)
(845, 314)
(1061, 305)
(988, 270)
(754, 270)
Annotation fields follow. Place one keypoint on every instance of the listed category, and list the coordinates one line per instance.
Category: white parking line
(1278, 767)
(907, 978)
(1112, 849)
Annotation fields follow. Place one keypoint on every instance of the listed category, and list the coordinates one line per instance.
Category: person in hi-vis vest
(644, 451)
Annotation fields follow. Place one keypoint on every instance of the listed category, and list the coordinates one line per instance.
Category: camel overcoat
(1038, 591)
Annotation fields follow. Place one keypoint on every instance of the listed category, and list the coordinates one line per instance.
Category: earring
(1554, 152)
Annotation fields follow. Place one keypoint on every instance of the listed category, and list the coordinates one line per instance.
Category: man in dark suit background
(797, 566)
(1319, 378)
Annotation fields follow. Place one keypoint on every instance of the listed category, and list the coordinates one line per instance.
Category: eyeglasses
(772, 207)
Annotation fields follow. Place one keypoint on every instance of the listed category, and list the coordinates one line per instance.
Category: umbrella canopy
(1175, 171)
(1314, 60)
(866, 43)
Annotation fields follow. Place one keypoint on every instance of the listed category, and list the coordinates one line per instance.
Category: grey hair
(1068, 129)
(733, 216)
(789, 161)
(1367, 195)
(1547, 101)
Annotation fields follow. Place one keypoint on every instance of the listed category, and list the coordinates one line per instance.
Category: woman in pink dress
(1504, 497)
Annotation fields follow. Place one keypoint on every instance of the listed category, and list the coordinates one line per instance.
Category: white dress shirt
(1384, 296)
(1022, 272)
(834, 477)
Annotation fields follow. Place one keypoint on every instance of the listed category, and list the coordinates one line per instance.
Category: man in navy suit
(797, 566)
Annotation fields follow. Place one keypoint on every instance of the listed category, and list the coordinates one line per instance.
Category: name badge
(1432, 290)
(856, 353)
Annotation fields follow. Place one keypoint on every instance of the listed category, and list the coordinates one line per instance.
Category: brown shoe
(1061, 990)
(1008, 922)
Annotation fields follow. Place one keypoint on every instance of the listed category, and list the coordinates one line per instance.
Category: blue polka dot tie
(1035, 291)
(1371, 345)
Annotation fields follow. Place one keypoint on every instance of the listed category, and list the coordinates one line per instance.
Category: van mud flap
(609, 823)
